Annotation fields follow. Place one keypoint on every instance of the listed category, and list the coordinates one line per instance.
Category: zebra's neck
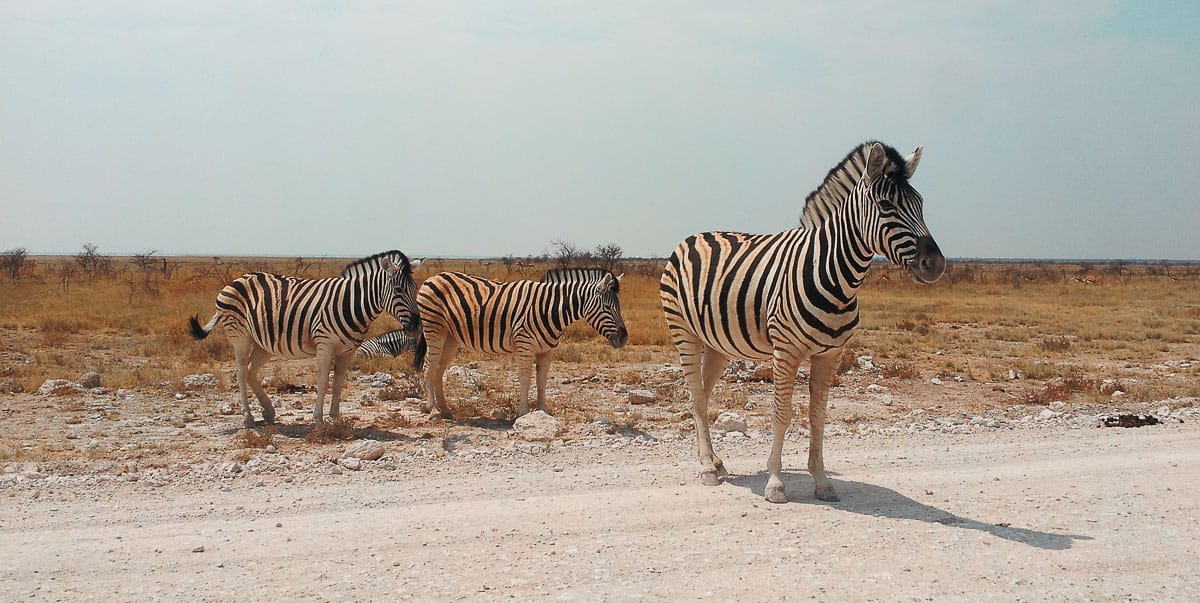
(569, 306)
(831, 196)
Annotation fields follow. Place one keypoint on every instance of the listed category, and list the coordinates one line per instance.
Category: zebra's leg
(259, 357)
(524, 367)
(341, 365)
(713, 364)
(324, 362)
(243, 349)
(784, 368)
(824, 367)
(543, 369)
(691, 352)
(438, 357)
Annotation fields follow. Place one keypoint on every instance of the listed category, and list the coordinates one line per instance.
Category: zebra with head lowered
(525, 318)
(392, 343)
(268, 315)
(792, 295)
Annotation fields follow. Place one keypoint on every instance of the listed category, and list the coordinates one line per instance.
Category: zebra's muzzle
(929, 264)
(618, 339)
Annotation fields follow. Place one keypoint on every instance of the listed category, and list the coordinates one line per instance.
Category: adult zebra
(792, 295)
(392, 343)
(268, 315)
(525, 318)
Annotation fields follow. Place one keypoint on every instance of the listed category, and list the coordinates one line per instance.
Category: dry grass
(1033, 321)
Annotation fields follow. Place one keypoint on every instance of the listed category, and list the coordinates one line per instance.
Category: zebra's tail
(419, 352)
(200, 332)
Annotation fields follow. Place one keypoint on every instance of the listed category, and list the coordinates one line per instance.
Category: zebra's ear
(620, 276)
(876, 160)
(607, 281)
(911, 162)
(415, 263)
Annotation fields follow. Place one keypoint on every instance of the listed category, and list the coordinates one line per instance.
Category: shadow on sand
(877, 501)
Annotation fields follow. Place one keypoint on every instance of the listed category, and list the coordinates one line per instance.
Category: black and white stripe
(392, 343)
(792, 295)
(268, 315)
(525, 318)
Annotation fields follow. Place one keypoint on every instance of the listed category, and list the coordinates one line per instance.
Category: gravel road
(1056, 512)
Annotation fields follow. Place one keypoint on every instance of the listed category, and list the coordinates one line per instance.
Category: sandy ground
(938, 504)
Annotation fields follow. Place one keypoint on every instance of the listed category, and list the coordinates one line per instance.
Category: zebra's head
(894, 222)
(602, 310)
(402, 303)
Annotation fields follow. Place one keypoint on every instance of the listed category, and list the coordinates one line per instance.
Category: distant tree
(565, 254)
(12, 261)
(92, 263)
(608, 257)
(148, 265)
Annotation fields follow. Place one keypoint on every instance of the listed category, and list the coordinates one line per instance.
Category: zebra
(392, 343)
(525, 318)
(268, 315)
(792, 295)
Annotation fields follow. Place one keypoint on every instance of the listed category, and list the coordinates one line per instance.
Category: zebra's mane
(576, 275)
(844, 177)
(373, 262)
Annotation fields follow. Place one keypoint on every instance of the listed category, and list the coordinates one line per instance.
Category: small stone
(199, 549)
(935, 381)
(59, 387)
(875, 388)
(89, 380)
(1046, 415)
(537, 426)
(199, 382)
(351, 463)
(641, 396)
(865, 363)
(1163, 412)
(366, 450)
(729, 421)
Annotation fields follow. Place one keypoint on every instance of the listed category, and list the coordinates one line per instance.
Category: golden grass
(983, 322)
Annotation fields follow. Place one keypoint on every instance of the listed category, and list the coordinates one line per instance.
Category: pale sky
(323, 128)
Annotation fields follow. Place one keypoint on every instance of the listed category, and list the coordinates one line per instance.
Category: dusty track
(1051, 513)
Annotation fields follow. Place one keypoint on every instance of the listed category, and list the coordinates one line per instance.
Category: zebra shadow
(301, 431)
(877, 501)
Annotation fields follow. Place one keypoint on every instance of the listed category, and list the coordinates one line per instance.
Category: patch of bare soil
(950, 490)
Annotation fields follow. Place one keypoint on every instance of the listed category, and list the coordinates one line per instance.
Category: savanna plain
(967, 439)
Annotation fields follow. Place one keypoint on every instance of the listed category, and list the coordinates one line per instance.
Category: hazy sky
(1051, 129)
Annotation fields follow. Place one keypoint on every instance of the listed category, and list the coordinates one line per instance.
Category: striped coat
(792, 296)
(523, 318)
(267, 315)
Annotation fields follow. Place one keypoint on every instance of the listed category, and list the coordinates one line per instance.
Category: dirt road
(1021, 514)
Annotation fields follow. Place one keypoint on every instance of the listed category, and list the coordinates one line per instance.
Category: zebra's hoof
(776, 495)
(826, 494)
(710, 478)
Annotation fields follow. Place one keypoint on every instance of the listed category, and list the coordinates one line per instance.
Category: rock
(352, 464)
(641, 396)
(89, 380)
(366, 450)
(205, 381)
(199, 549)
(380, 380)
(865, 363)
(537, 426)
(1046, 415)
(729, 421)
(935, 381)
(875, 388)
(274, 383)
(1163, 412)
(59, 387)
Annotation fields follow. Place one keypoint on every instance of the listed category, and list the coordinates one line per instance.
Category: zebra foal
(792, 296)
(525, 318)
(392, 343)
(267, 315)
